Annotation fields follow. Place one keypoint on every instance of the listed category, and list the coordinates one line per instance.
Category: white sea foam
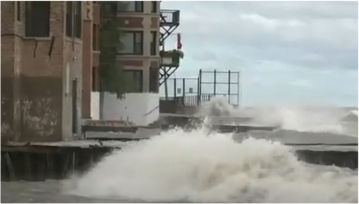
(298, 117)
(198, 166)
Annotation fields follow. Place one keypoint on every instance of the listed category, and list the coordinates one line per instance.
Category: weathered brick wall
(41, 82)
(73, 58)
(87, 59)
(34, 105)
(7, 69)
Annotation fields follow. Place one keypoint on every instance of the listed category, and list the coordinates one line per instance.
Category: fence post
(175, 88)
(166, 90)
(183, 91)
(239, 91)
(199, 87)
(229, 86)
(215, 82)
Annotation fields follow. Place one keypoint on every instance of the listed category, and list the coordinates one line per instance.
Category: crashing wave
(303, 118)
(199, 166)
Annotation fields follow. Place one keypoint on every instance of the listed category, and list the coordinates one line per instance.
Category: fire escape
(169, 21)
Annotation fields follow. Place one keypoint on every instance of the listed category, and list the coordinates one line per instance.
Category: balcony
(171, 58)
(169, 18)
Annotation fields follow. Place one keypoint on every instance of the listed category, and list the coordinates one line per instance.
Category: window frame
(134, 43)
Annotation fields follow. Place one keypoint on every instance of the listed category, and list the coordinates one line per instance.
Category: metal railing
(189, 100)
(170, 17)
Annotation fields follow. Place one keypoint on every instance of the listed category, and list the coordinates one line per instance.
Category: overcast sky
(287, 52)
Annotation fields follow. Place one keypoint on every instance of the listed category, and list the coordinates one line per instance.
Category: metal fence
(220, 83)
(208, 84)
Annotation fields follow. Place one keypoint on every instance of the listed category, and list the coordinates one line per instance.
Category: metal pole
(238, 88)
(175, 88)
(215, 82)
(166, 89)
(198, 90)
(184, 91)
(229, 86)
(200, 86)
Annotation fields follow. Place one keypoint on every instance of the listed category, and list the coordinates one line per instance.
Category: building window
(108, 8)
(131, 6)
(95, 80)
(69, 8)
(37, 22)
(153, 46)
(78, 19)
(74, 18)
(132, 42)
(154, 80)
(18, 10)
(95, 39)
(135, 78)
(154, 6)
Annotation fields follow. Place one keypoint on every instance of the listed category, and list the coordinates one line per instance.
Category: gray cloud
(310, 34)
(302, 10)
(205, 55)
(286, 50)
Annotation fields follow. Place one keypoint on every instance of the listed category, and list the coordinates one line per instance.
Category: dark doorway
(74, 106)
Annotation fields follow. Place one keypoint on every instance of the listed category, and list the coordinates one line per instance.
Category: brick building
(139, 23)
(139, 57)
(50, 66)
(91, 54)
(41, 68)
